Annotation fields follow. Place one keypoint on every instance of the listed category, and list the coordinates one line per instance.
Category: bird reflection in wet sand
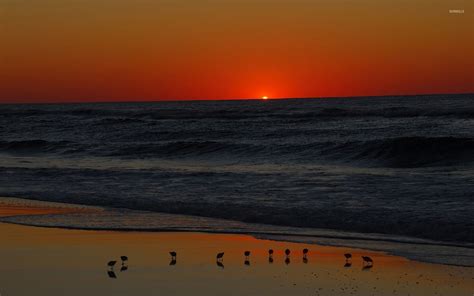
(305, 260)
(173, 262)
(287, 260)
(220, 264)
(247, 262)
(111, 274)
(270, 260)
(123, 268)
(348, 264)
(366, 267)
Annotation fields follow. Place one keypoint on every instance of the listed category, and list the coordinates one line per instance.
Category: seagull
(124, 259)
(287, 252)
(270, 253)
(220, 256)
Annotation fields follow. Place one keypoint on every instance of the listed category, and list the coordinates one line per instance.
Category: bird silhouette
(173, 255)
(305, 253)
(220, 257)
(247, 254)
(348, 256)
(287, 252)
(124, 259)
(367, 261)
(111, 264)
(270, 253)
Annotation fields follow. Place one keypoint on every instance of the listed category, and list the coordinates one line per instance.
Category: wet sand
(49, 261)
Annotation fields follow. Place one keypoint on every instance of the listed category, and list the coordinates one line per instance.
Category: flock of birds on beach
(367, 262)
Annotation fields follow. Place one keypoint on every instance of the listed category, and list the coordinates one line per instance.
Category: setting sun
(264, 98)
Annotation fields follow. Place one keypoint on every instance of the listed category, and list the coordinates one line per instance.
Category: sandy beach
(50, 261)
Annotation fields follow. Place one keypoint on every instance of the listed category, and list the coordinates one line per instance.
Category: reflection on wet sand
(326, 274)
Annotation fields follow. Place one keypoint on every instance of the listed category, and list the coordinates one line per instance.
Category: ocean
(392, 166)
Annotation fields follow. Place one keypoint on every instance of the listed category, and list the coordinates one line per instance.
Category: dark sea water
(399, 166)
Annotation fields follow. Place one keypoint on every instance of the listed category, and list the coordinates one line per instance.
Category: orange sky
(99, 50)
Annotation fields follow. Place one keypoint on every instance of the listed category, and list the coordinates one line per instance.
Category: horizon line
(127, 101)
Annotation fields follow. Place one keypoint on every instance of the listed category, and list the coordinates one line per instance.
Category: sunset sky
(107, 50)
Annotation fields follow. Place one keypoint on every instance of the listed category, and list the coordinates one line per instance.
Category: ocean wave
(34, 146)
(408, 151)
(393, 152)
(399, 152)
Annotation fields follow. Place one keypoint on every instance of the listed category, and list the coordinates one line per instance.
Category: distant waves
(393, 152)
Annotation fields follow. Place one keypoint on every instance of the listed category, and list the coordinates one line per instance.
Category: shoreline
(12, 207)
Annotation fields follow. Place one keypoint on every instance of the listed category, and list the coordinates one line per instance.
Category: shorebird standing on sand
(367, 261)
(111, 264)
(220, 257)
(247, 254)
(173, 255)
(124, 259)
(348, 256)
